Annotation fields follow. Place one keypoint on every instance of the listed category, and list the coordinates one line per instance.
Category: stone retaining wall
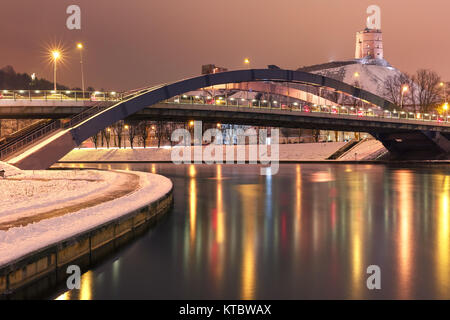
(38, 271)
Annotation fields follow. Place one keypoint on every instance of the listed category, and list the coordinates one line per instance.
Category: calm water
(309, 232)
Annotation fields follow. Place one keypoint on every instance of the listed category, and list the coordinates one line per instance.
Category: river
(309, 232)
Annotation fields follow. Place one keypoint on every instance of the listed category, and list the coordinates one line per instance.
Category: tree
(118, 130)
(94, 139)
(132, 132)
(106, 135)
(428, 91)
(159, 132)
(142, 131)
(393, 88)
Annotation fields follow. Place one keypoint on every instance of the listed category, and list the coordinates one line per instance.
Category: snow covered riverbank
(53, 190)
(288, 152)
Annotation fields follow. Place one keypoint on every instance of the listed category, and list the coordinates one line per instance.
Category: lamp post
(81, 47)
(247, 62)
(404, 89)
(55, 55)
(444, 89)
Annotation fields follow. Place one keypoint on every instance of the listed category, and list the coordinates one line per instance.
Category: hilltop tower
(369, 44)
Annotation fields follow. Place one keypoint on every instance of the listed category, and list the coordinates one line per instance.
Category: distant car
(360, 113)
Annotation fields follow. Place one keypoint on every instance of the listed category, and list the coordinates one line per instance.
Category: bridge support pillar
(415, 145)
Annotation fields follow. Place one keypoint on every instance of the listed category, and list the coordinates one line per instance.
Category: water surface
(309, 232)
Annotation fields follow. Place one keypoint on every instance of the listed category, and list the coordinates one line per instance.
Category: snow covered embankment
(20, 241)
(288, 152)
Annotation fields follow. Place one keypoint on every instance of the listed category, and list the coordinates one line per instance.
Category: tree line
(11, 80)
(422, 92)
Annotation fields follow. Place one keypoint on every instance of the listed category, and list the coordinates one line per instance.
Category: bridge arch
(57, 146)
(154, 95)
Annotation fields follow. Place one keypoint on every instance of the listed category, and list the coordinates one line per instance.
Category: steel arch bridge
(43, 154)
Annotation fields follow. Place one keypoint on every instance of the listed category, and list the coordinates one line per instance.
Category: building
(369, 44)
(211, 68)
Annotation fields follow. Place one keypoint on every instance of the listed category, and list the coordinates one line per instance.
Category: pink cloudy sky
(134, 43)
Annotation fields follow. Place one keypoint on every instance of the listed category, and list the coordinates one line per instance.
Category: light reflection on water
(309, 232)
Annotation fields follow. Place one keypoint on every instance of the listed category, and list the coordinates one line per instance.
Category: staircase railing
(58, 124)
(29, 139)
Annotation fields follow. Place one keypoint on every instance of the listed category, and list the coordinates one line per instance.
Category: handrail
(60, 95)
(53, 126)
(57, 124)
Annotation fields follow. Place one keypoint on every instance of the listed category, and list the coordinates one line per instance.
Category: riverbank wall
(35, 273)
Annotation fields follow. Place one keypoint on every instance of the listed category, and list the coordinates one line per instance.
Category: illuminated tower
(369, 44)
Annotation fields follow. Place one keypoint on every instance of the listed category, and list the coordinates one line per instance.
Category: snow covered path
(19, 241)
(29, 193)
(124, 183)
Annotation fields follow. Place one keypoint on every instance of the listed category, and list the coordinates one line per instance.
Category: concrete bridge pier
(415, 145)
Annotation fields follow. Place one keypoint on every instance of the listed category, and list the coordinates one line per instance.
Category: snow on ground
(9, 169)
(366, 150)
(29, 193)
(288, 152)
(17, 242)
(371, 77)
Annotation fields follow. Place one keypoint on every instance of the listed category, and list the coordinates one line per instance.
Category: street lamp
(81, 47)
(404, 89)
(55, 55)
(444, 88)
(247, 62)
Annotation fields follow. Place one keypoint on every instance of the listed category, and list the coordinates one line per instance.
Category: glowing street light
(55, 55)
(81, 47)
(404, 90)
(444, 90)
(247, 62)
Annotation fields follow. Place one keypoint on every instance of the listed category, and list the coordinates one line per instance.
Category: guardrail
(57, 124)
(60, 95)
(31, 138)
(337, 110)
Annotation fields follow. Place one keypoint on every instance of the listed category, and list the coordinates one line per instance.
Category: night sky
(134, 43)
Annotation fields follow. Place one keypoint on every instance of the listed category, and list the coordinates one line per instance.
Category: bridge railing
(58, 124)
(53, 127)
(30, 139)
(298, 107)
(60, 95)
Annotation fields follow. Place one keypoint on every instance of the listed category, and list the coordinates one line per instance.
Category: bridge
(404, 134)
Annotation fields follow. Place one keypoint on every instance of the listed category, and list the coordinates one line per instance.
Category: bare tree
(132, 132)
(118, 130)
(393, 88)
(94, 139)
(106, 135)
(428, 91)
(160, 131)
(142, 131)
